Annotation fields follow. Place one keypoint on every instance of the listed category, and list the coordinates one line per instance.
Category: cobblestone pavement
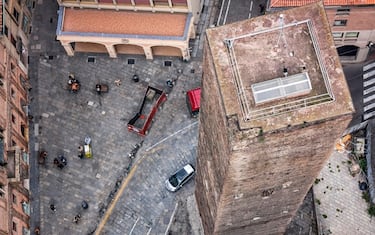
(62, 120)
(340, 206)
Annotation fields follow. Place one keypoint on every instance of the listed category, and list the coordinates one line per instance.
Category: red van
(193, 100)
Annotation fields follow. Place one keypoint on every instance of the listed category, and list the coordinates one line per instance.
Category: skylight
(297, 84)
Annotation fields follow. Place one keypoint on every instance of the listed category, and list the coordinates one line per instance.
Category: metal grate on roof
(297, 84)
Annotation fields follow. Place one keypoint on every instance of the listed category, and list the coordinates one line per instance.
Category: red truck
(193, 100)
(152, 100)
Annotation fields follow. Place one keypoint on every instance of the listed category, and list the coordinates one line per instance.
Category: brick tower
(274, 100)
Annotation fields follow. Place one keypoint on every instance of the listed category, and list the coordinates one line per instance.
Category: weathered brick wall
(213, 148)
(254, 185)
(267, 180)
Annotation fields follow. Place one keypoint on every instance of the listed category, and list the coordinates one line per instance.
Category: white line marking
(251, 9)
(368, 115)
(221, 12)
(171, 219)
(161, 141)
(368, 107)
(131, 231)
(369, 74)
(367, 99)
(369, 66)
(369, 90)
(369, 82)
(226, 13)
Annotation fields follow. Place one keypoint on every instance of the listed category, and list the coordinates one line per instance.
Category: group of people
(73, 83)
(60, 162)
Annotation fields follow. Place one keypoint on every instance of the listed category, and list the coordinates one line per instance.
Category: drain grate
(131, 61)
(167, 63)
(91, 59)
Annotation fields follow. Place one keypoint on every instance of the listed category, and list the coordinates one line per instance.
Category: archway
(90, 47)
(129, 49)
(166, 51)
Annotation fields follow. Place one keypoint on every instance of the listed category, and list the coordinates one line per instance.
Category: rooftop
(292, 57)
(93, 22)
(297, 3)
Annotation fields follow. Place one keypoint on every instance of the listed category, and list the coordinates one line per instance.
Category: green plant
(318, 201)
(316, 181)
(366, 196)
(324, 216)
(371, 210)
(363, 164)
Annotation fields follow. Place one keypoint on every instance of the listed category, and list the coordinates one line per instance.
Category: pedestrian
(118, 82)
(56, 162)
(77, 218)
(262, 9)
(37, 231)
(53, 208)
(63, 160)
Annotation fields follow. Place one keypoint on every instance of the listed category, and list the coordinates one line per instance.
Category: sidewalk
(338, 200)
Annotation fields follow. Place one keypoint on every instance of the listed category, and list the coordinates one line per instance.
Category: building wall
(255, 189)
(14, 87)
(358, 30)
(269, 177)
(214, 152)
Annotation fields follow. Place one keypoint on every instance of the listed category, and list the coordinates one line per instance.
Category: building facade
(14, 85)
(146, 27)
(274, 100)
(352, 25)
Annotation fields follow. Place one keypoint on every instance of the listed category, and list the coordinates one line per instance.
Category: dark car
(179, 178)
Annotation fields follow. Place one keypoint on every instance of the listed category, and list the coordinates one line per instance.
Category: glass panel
(281, 87)
(352, 34)
(337, 35)
(26, 208)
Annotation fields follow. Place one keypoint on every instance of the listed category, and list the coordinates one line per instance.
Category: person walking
(53, 208)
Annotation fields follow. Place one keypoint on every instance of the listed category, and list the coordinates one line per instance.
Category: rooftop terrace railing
(250, 113)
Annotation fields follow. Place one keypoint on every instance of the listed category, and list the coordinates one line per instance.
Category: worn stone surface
(254, 174)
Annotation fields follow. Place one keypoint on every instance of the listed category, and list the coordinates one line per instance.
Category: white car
(179, 178)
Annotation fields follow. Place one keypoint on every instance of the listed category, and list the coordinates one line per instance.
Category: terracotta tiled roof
(123, 22)
(295, 3)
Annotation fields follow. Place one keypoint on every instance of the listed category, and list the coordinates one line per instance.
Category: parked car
(179, 178)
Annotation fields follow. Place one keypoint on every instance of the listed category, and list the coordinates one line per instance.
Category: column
(185, 54)
(68, 48)
(148, 52)
(111, 50)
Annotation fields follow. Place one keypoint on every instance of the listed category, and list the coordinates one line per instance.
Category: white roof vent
(294, 85)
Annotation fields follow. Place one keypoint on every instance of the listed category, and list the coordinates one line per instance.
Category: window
(25, 24)
(351, 35)
(23, 130)
(25, 207)
(343, 11)
(13, 41)
(30, 4)
(14, 198)
(12, 93)
(337, 35)
(14, 143)
(340, 22)
(2, 191)
(16, 14)
(14, 227)
(13, 119)
(5, 30)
